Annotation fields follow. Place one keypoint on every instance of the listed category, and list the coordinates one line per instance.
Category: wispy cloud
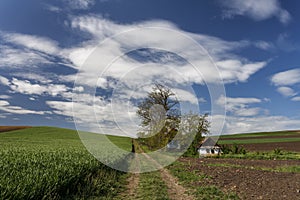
(296, 99)
(6, 107)
(38, 43)
(80, 4)
(286, 91)
(256, 10)
(235, 124)
(286, 78)
(240, 106)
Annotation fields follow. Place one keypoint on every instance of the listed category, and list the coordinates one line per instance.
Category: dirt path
(175, 191)
(133, 180)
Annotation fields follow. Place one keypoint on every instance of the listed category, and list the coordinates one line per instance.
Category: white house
(209, 147)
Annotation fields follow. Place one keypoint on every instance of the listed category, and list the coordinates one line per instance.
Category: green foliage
(233, 149)
(52, 163)
(277, 151)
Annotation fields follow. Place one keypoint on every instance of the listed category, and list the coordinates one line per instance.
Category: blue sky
(45, 46)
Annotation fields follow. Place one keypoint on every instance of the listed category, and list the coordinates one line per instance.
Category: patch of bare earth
(247, 179)
(287, 146)
(12, 128)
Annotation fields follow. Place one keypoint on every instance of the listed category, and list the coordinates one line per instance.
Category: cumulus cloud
(256, 10)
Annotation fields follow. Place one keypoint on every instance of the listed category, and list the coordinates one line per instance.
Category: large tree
(161, 121)
(159, 113)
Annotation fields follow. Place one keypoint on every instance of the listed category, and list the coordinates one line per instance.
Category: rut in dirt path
(133, 180)
(175, 191)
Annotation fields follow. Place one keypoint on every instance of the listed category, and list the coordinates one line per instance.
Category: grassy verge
(195, 181)
(52, 163)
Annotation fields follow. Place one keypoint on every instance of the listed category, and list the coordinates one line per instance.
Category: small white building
(209, 148)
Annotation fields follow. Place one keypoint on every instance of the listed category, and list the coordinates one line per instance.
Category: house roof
(209, 142)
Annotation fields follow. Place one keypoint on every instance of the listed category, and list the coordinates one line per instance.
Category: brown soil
(287, 146)
(12, 128)
(247, 179)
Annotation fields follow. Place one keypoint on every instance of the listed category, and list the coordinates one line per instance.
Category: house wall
(208, 151)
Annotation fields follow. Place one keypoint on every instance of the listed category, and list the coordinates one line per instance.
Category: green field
(52, 163)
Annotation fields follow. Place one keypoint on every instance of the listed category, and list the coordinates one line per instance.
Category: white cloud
(33, 76)
(26, 87)
(257, 10)
(79, 4)
(231, 67)
(6, 107)
(235, 70)
(240, 106)
(52, 8)
(5, 97)
(259, 124)
(286, 82)
(285, 78)
(296, 98)
(12, 57)
(264, 45)
(4, 80)
(115, 118)
(286, 91)
(38, 43)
